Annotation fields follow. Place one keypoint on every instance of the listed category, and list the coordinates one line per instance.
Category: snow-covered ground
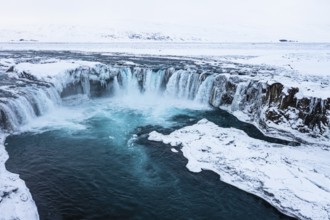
(200, 28)
(306, 58)
(296, 180)
(58, 71)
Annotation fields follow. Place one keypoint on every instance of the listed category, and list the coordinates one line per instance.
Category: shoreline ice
(16, 201)
(295, 180)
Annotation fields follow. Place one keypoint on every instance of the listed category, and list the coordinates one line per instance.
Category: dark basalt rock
(223, 90)
(272, 102)
(312, 111)
(96, 89)
(226, 99)
(289, 100)
(274, 116)
(274, 93)
(27, 76)
(11, 69)
(4, 122)
(72, 89)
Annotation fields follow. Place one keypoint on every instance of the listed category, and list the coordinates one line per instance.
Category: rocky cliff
(250, 92)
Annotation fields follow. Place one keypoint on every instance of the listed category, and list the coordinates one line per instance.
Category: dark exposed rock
(27, 76)
(312, 111)
(11, 69)
(289, 100)
(272, 102)
(274, 93)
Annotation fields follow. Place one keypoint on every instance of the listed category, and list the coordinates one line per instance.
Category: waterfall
(129, 81)
(182, 84)
(204, 91)
(30, 103)
(238, 97)
(154, 81)
(193, 86)
(235, 93)
(172, 85)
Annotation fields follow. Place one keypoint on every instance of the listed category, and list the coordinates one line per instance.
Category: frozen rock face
(272, 106)
(30, 90)
(69, 77)
(307, 115)
(21, 100)
(257, 94)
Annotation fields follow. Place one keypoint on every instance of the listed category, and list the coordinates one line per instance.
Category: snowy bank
(15, 198)
(61, 73)
(295, 180)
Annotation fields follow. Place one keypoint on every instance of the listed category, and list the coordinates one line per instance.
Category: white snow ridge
(296, 180)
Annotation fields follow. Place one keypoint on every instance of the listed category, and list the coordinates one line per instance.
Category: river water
(90, 159)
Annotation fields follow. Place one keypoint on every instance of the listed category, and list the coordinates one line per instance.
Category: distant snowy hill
(165, 32)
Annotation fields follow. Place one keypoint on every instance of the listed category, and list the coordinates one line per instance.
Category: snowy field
(306, 58)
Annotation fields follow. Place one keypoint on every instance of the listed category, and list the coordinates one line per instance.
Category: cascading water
(219, 90)
(139, 99)
(232, 93)
(204, 92)
(181, 84)
(96, 168)
(136, 82)
(31, 103)
(238, 97)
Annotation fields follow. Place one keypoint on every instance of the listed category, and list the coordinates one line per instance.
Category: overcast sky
(216, 20)
(247, 12)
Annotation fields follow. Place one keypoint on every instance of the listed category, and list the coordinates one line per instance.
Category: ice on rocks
(63, 72)
(174, 150)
